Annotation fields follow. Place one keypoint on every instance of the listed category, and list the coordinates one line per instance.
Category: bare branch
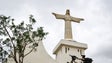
(29, 52)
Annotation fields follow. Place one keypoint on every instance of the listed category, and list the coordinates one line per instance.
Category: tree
(17, 37)
(86, 60)
(3, 54)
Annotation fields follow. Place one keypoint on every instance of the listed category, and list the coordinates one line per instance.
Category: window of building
(65, 49)
(68, 49)
(78, 50)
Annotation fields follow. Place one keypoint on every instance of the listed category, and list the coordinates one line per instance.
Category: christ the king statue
(68, 19)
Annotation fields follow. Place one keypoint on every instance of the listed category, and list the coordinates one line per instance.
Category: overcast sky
(96, 30)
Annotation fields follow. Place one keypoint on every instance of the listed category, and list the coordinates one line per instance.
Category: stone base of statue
(67, 48)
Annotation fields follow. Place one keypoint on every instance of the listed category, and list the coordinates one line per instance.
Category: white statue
(68, 19)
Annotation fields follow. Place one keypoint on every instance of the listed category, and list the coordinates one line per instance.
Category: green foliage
(21, 35)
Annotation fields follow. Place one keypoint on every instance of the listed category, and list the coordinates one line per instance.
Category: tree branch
(29, 52)
(8, 35)
(12, 44)
(15, 56)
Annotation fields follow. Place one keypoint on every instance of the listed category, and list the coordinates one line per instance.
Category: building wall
(63, 54)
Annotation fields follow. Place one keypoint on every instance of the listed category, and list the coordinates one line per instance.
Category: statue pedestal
(65, 48)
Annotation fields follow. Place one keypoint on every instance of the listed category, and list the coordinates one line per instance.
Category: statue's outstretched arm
(76, 19)
(59, 16)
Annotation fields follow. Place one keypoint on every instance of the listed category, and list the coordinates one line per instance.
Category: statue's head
(67, 12)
